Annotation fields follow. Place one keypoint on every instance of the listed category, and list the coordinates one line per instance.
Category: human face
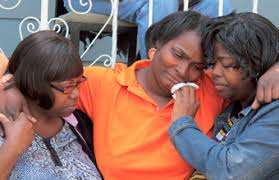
(179, 60)
(229, 80)
(65, 100)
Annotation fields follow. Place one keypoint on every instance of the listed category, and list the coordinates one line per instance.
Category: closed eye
(179, 54)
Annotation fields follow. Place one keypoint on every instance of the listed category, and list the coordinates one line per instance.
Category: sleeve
(252, 155)
(88, 90)
(92, 88)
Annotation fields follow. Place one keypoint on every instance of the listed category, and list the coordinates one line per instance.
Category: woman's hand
(185, 103)
(268, 87)
(19, 134)
(12, 101)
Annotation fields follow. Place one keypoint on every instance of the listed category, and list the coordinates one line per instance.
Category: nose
(182, 69)
(217, 70)
(75, 93)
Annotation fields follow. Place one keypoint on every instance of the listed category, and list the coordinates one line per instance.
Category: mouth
(219, 86)
(73, 105)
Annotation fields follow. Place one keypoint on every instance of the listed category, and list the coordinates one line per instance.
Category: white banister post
(220, 9)
(255, 6)
(44, 15)
(186, 5)
(114, 32)
(150, 15)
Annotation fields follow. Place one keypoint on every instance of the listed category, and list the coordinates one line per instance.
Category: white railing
(10, 7)
(83, 4)
(186, 5)
(44, 23)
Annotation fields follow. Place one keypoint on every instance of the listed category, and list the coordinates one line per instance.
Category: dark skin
(267, 88)
(19, 133)
(176, 61)
(229, 82)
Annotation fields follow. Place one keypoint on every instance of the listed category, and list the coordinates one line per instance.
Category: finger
(256, 104)
(186, 91)
(179, 94)
(192, 92)
(267, 94)
(32, 119)
(275, 93)
(3, 119)
(23, 116)
(260, 93)
(6, 78)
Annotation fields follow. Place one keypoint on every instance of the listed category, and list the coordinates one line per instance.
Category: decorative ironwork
(31, 27)
(84, 4)
(58, 27)
(11, 7)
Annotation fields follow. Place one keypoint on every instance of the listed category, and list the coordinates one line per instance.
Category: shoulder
(267, 114)
(95, 71)
(101, 76)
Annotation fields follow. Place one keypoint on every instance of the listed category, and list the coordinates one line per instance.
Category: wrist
(12, 148)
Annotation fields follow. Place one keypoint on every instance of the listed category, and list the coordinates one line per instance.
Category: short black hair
(173, 26)
(250, 38)
(150, 37)
(40, 59)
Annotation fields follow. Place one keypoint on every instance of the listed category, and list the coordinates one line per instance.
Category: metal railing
(44, 22)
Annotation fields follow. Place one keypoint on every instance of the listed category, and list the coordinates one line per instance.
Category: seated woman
(246, 145)
(47, 70)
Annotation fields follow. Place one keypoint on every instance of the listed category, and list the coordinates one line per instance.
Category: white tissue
(180, 85)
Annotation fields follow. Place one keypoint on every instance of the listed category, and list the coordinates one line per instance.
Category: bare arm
(8, 158)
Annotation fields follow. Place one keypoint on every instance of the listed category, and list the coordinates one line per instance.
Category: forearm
(241, 156)
(8, 158)
(191, 143)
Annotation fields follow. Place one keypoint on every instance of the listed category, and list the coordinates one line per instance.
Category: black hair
(173, 26)
(250, 38)
(150, 38)
(40, 59)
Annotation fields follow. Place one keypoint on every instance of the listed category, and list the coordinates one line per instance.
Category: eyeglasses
(69, 89)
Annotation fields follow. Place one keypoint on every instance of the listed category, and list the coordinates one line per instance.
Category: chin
(67, 112)
(224, 94)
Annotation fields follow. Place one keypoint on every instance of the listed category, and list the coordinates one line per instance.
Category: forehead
(221, 53)
(188, 42)
(69, 81)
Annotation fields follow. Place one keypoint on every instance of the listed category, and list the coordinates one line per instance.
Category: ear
(151, 53)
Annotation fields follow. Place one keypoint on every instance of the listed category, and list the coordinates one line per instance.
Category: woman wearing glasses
(47, 70)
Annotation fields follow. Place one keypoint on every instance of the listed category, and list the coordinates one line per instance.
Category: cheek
(233, 80)
(60, 101)
(194, 75)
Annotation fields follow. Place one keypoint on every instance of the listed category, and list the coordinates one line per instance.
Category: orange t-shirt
(130, 132)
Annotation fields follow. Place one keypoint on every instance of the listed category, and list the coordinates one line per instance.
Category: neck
(47, 125)
(151, 87)
(248, 100)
